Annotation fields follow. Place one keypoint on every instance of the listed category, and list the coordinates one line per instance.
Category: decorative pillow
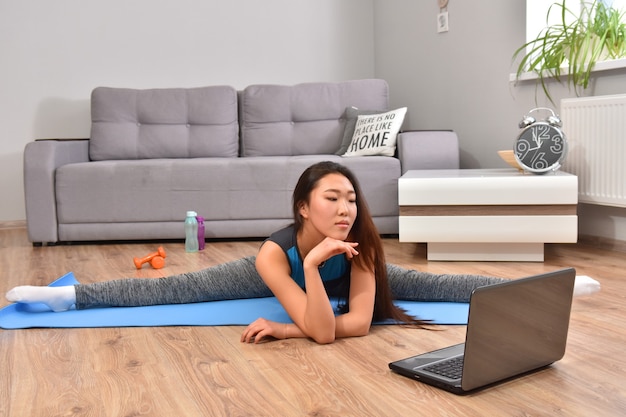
(351, 114)
(376, 134)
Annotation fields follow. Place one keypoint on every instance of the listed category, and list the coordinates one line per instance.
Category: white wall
(460, 80)
(53, 53)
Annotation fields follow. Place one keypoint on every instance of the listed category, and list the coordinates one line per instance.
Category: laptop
(513, 328)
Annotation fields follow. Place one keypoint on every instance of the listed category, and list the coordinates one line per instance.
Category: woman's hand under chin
(328, 248)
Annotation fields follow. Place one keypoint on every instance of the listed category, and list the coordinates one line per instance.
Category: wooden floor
(205, 371)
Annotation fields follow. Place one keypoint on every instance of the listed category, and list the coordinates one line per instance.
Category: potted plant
(572, 46)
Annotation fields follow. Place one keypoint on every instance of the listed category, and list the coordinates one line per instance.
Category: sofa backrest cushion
(304, 119)
(164, 123)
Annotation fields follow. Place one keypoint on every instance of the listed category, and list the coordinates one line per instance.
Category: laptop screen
(516, 327)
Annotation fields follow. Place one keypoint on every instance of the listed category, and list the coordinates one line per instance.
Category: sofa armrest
(428, 149)
(41, 160)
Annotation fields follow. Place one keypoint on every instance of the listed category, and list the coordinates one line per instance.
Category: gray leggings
(239, 279)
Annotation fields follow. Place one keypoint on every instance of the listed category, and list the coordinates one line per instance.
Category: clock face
(540, 147)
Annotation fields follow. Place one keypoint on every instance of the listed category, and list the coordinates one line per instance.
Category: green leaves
(572, 46)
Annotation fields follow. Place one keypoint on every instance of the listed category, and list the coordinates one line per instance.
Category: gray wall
(460, 80)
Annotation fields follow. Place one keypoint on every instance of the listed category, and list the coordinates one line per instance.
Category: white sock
(584, 285)
(57, 298)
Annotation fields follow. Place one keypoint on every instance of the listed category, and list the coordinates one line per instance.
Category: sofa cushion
(163, 123)
(163, 190)
(376, 134)
(304, 119)
(351, 115)
(155, 190)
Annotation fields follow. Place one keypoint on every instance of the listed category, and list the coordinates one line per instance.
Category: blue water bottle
(191, 232)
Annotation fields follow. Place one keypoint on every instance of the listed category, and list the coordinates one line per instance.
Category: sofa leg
(40, 244)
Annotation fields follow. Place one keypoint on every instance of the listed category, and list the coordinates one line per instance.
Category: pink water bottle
(200, 220)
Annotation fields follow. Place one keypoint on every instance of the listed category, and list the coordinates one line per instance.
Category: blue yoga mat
(214, 313)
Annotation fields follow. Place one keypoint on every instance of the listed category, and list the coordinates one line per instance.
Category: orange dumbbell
(156, 259)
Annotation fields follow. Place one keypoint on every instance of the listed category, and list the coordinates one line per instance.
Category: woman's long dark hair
(364, 231)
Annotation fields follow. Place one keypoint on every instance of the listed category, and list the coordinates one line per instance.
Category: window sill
(600, 66)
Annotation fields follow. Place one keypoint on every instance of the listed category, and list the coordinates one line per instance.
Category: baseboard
(15, 224)
(603, 242)
(596, 241)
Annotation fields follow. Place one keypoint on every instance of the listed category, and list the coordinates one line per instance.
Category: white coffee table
(487, 214)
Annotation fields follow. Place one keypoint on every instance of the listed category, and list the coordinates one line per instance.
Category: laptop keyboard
(451, 368)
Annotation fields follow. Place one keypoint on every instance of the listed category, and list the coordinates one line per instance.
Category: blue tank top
(334, 272)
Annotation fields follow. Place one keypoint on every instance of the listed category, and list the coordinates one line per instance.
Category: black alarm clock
(541, 146)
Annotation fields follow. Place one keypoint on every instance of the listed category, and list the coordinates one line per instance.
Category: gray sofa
(232, 156)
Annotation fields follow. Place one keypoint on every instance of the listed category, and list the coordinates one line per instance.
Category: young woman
(332, 249)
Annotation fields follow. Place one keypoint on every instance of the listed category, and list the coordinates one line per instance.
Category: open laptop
(513, 327)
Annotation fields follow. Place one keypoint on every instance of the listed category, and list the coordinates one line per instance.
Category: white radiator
(595, 128)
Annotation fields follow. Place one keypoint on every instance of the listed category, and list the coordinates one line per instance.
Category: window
(537, 10)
